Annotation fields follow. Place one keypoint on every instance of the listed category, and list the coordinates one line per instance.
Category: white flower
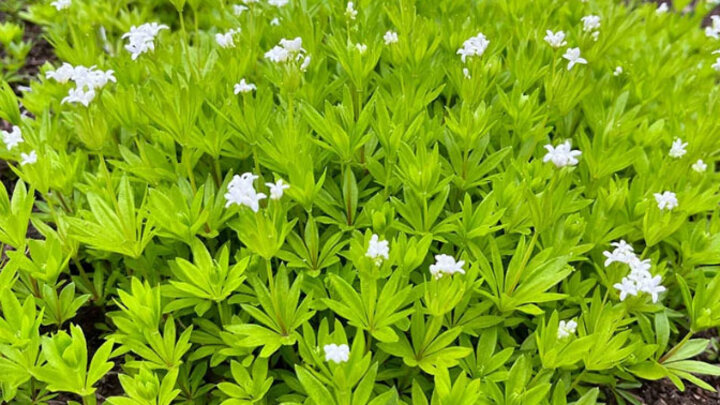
(242, 192)
(666, 201)
(277, 189)
(466, 73)
(79, 96)
(362, 48)
(391, 37)
(662, 8)
(623, 253)
(562, 155)
(595, 35)
(591, 23)
(618, 71)
(626, 287)
(275, 21)
(63, 74)
(445, 264)
(474, 46)
(378, 249)
(651, 285)
(244, 87)
(305, 63)
(238, 9)
(573, 57)
(716, 65)
(61, 4)
(28, 158)
(287, 50)
(699, 166)
(677, 150)
(566, 329)
(226, 40)
(713, 31)
(12, 138)
(278, 3)
(141, 39)
(350, 11)
(277, 54)
(555, 39)
(337, 353)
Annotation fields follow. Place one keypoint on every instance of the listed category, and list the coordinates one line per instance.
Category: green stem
(677, 347)
(89, 399)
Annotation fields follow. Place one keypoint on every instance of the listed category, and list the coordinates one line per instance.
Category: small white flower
(238, 9)
(278, 3)
(337, 353)
(677, 150)
(275, 21)
(666, 201)
(622, 253)
(12, 138)
(84, 97)
(63, 74)
(716, 65)
(277, 54)
(244, 87)
(242, 192)
(362, 48)
(378, 249)
(573, 57)
(390, 37)
(555, 39)
(474, 46)
(305, 63)
(618, 71)
(28, 158)
(350, 11)
(225, 40)
(626, 287)
(591, 23)
(466, 73)
(277, 189)
(562, 155)
(566, 329)
(292, 45)
(445, 264)
(595, 35)
(699, 166)
(141, 39)
(713, 31)
(651, 285)
(662, 8)
(61, 4)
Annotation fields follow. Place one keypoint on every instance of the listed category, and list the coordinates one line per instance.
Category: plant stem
(676, 347)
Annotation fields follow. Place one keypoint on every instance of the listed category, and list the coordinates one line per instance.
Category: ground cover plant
(370, 202)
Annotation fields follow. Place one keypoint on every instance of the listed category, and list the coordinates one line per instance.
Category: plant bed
(360, 203)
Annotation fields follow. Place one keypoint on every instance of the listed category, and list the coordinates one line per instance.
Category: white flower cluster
(391, 37)
(555, 39)
(244, 87)
(61, 4)
(238, 9)
(278, 3)
(337, 353)
(474, 46)
(566, 329)
(87, 80)
(350, 11)
(699, 166)
(639, 280)
(713, 31)
(378, 250)
(242, 192)
(445, 264)
(287, 50)
(227, 40)
(591, 24)
(12, 138)
(562, 155)
(142, 39)
(666, 200)
(677, 150)
(662, 8)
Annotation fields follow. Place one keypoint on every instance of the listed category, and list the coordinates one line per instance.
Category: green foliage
(374, 219)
